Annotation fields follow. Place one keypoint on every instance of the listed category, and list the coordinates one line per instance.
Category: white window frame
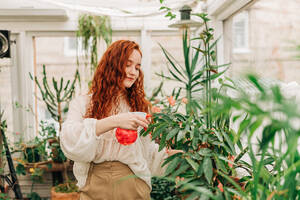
(241, 17)
(72, 52)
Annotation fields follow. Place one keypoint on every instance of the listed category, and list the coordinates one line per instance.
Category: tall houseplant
(270, 123)
(57, 98)
(208, 143)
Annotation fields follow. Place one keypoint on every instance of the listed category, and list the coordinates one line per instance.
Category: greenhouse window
(70, 46)
(240, 30)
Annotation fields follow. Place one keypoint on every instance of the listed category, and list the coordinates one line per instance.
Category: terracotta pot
(64, 196)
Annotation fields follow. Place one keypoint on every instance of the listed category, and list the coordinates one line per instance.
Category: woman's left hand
(171, 152)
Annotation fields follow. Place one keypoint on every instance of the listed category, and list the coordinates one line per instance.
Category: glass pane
(239, 34)
(273, 37)
(173, 44)
(6, 97)
(51, 53)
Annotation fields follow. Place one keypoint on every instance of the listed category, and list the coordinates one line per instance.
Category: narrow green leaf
(192, 163)
(208, 169)
(175, 76)
(180, 135)
(220, 165)
(168, 56)
(243, 125)
(170, 158)
(195, 60)
(229, 142)
(162, 143)
(172, 165)
(186, 51)
(172, 133)
(200, 50)
(241, 154)
(254, 126)
(253, 79)
(182, 168)
(197, 76)
(159, 130)
(240, 190)
(205, 152)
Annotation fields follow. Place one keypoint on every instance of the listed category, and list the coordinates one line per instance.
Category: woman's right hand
(130, 121)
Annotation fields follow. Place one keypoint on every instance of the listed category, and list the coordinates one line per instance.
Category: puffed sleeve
(155, 159)
(78, 135)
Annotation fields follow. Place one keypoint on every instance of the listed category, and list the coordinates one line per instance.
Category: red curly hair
(107, 84)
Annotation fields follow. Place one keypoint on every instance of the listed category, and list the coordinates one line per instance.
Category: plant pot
(64, 196)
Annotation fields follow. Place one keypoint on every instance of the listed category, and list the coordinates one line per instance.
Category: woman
(104, 168)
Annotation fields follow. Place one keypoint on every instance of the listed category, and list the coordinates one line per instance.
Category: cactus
(56, 97)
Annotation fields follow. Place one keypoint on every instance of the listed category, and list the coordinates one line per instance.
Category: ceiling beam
(33, 15)
(222, 9)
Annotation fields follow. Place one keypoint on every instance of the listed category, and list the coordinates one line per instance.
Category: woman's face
(133, 66)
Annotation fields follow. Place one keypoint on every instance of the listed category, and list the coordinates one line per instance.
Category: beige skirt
(113, 181)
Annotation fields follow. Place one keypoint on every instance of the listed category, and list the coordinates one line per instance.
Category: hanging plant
(91, 29)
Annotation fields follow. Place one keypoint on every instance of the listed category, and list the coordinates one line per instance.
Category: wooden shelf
(55, 166)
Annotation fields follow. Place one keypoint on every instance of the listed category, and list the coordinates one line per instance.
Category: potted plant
(91, 28)
(65, 191)
(48, 131)
(205, 169)
(270, 123)
(57, 102)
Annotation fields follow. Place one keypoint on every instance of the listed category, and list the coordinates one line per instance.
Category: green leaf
(255, 125)
(195, 142)
(193, 196)
(243, 125)
(195, 60)
(180, 135)
(229, 142)
(172, 133)
(172, 165)
(220, 164)
(182, 168)
(202, 51)
(205, 152)
(170, 158)
(277, 94)
(253, 79)
(268, 161)
(219, 136)
(240, 190)
(192, 163)
(175, 76)
(208, 169)
(159, 130)
(186, 53)
(268, 134)
(162, 143)
(197, 76)
(214, 76)
(241, 154)
(20, 169)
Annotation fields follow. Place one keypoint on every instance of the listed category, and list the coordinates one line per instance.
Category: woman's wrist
(106, 124)
(114, 123)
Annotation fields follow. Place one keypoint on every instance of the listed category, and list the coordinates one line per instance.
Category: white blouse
(79, 143)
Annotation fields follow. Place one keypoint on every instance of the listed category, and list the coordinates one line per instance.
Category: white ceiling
(126, 8)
